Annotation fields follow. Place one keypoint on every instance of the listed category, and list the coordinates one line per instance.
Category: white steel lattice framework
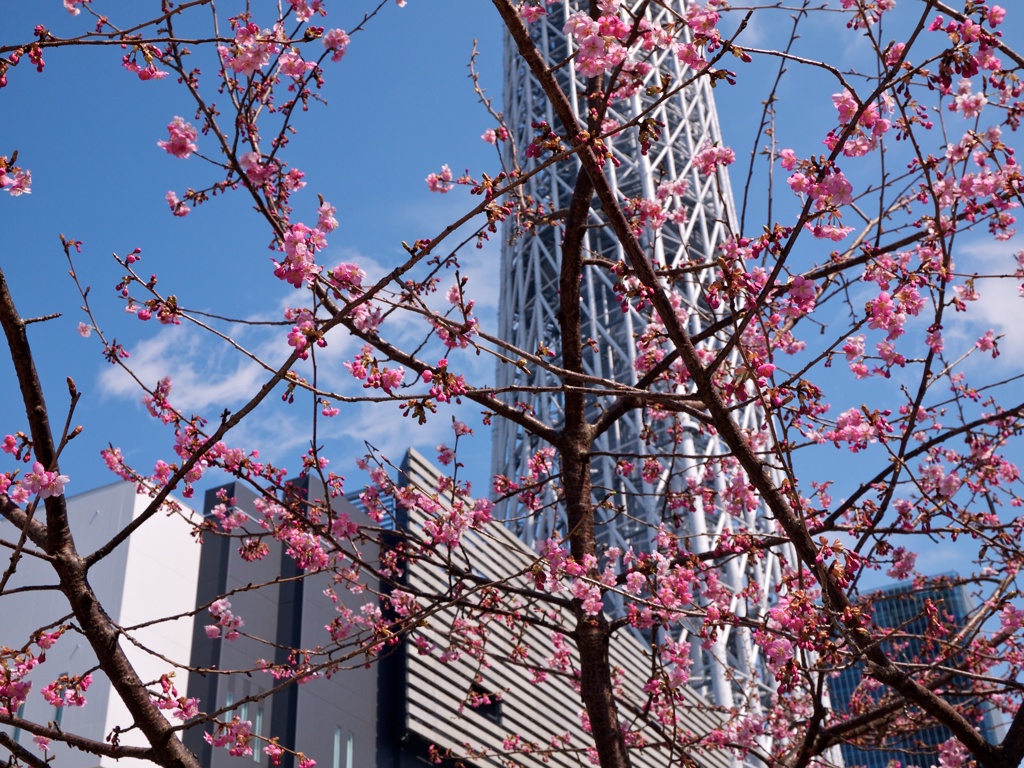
(730, 672)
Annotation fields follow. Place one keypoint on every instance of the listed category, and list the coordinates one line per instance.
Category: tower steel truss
(729, 672)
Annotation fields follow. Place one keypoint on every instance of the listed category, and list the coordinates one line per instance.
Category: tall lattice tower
(730, 671)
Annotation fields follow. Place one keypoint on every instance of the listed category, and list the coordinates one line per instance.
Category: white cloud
(1000, 306)
(204, 376)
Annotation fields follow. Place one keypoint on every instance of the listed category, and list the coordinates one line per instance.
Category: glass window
(21, 713)
(344, 753)
(258, 730)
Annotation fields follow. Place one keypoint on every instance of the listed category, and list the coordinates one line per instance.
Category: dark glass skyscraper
(906, 609)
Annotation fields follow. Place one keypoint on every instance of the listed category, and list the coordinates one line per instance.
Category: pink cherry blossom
(45, 484)
(712, 157)
(182, 139)
(336, 41)
(440, 182)
(20, 183)
(251, 52)
(178, 207)
(300, 246)
(326, 221)
(532, 13)
(227, 622)
(71, 6)
(966, 102)
(846, 105)
(304, 9)
(148, 72)
(988, 343)
(293, 65)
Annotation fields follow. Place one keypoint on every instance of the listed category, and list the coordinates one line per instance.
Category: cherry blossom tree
(851, 306)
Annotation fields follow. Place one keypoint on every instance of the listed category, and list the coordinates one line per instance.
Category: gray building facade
(428, 698)
(331, 719)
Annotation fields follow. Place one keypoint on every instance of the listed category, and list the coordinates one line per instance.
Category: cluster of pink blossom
(1011, 618)
(967, 102)
(494, 135)
(305, 548)
(346, 277)
(336, 41)
(447, 523)
(988, 343)
(887, 315)
(365, 368)
(833, 189)
(67, 690)
(258, 172)
(300, 246)
(178, 207)
(456, 335)
(71, 6)
(157, 403)
(252, 49)
(304, 9)
(953, 754)
(168, 698)
(703, 23)
(14, 688)
(827, 187)
(348, 623)
(229, 516)
(304, 332)
(16, 181)
(182, 141)
(859, 428)
(441, 182)
(560, 659)
(932, 477)
(149, 71)
(291, 64)
(599, 42)
(709, 159)
(866, 12)
(236, 736)
(114, 460)
(802, 295)
(43, 483)
(654, 214)
(444, 386)
(228, 623)
(868, 130)
(903, 562)
(532, 13)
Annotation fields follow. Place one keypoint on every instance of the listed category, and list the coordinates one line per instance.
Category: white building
(150, 576)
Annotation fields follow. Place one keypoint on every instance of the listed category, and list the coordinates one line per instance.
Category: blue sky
(400, 105)
(88, 131)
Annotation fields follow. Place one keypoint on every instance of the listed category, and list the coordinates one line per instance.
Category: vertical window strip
(257, 743)
(336, 754)
(17, 730)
